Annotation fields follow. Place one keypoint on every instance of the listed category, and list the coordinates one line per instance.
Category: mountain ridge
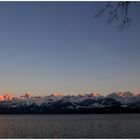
(58, 103)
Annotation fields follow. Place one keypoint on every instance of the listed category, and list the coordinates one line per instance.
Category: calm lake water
(70, 126)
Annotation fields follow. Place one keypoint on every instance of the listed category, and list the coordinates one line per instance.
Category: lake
(70, 126)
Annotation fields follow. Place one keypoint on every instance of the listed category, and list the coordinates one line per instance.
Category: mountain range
(117, 102)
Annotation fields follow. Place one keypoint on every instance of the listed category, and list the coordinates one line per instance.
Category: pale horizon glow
(49, 47)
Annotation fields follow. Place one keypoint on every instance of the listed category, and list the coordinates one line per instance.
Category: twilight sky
(59, 46)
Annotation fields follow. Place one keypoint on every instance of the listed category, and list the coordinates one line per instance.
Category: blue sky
(59, 46)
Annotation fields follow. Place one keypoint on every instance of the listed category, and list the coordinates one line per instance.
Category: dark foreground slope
(105, 110)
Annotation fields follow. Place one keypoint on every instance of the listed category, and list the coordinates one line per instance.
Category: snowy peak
(122, 94)
(56, 94)
(125, 97)
(6, 97)
(1, 98)
(95, 94)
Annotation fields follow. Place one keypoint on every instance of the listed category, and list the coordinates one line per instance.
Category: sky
(48, 47)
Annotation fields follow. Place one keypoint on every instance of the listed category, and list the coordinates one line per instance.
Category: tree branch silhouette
(117, 11)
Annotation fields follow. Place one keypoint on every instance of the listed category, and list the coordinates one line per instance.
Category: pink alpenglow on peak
(1, 98)
(95, 94)
(57, 94)
(81, 94)
(6, 97)
(122, 94)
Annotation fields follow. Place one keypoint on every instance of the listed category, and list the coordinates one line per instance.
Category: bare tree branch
(118, 11)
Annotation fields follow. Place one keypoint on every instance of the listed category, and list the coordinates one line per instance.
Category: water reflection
(70, 126)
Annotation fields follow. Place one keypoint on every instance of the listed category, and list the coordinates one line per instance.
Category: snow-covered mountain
(125, 97)
(58, 102)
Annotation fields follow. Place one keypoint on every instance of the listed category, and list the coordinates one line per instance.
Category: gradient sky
(60, 47)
